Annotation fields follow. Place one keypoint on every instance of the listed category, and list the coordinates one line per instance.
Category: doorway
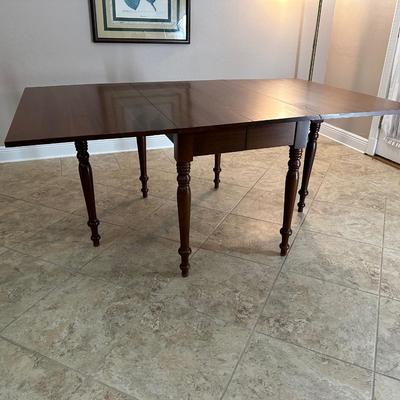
(384, 138)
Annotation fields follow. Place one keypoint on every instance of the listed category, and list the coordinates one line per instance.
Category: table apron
(234, 139)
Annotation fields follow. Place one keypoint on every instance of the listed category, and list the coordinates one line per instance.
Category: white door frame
(385, 79)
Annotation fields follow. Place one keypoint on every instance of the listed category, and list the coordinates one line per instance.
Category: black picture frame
(99, 38)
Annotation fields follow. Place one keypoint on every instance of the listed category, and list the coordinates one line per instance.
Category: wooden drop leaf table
(200, 118)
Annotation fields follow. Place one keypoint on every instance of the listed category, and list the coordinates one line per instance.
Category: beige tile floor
(118, 323)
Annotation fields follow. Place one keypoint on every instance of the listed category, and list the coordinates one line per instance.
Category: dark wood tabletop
(99, 111)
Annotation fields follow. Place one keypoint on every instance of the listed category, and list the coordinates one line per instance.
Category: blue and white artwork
(135, 4)
(142, 9)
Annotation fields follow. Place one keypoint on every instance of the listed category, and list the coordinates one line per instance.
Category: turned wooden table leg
(85, 173)
(292, 181)
(217, 170)
(184, 204)
(308, 162)
(141, 144)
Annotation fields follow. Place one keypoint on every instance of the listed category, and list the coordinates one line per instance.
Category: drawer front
(219, 141)
(271, 135)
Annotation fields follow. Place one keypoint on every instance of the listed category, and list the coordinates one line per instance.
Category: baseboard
(13, 154)
(344, 137)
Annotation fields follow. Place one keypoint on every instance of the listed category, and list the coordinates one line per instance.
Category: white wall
(357, 50)
(358, 44)
(307, 39)
(45, 42)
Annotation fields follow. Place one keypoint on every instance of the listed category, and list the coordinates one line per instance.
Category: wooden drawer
(219, 141)
(270, 135)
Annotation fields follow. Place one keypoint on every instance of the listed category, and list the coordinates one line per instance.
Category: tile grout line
(117, 161)
(279, 273)
(397, 379)
(53, 289)
(120, 286)
(243, 216)
(315, 351)
(200, 247)
(77, 371)
(68, 269)
(79, 272)
(253, 330)
(262, 310)
(235, 256)
(230, 212)
(333, 283)
(39, 205)
(323, 179)
(241, 356)
(379, 306)
(270, 291)
(379, 288)
(342, 237)
(349, 206)
(74, 212)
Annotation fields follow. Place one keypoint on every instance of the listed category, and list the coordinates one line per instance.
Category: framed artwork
(143, 21)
